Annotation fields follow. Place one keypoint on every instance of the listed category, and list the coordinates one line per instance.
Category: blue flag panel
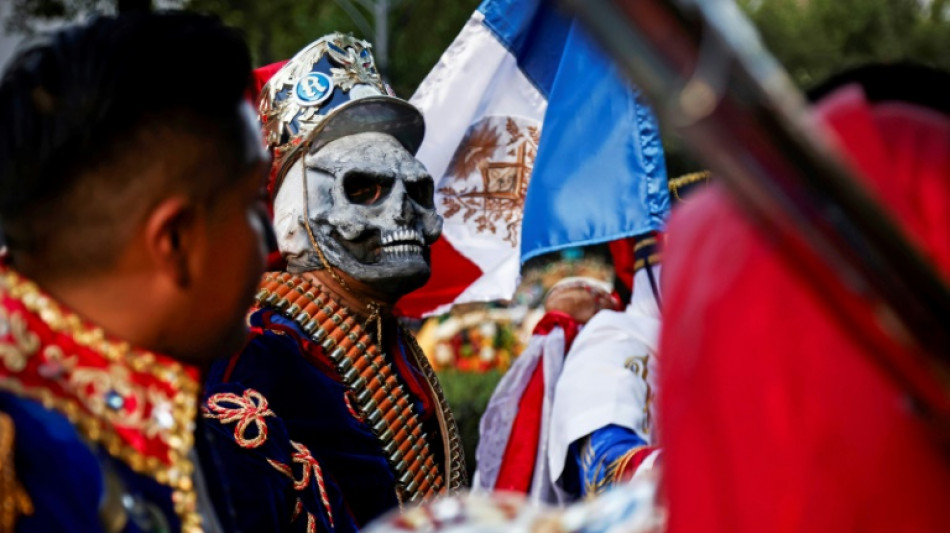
(600, 172)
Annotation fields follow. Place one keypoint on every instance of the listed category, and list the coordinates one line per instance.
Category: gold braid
(617, 468)
(678, 183)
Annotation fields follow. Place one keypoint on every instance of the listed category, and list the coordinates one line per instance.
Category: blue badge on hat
(314, 88)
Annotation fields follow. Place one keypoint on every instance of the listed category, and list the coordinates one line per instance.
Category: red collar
(139, 406)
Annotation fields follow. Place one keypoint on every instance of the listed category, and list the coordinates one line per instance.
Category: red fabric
(625, 258)
(621, 251)
(260, 76)
(774, 415)
(517, 466)
(905, 153)
(558, 319)
(49, 365)
(452, 273)
(412, 377)
(630, 469)
(261, 321)
(276, 261)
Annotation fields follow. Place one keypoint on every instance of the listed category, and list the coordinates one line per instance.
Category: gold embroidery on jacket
(14, 501)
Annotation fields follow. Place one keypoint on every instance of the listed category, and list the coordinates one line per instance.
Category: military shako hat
(331, 89)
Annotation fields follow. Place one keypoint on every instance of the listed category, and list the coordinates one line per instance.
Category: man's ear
(171, 238)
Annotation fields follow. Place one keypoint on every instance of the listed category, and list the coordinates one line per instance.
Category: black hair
(79, 100)
(902, 82)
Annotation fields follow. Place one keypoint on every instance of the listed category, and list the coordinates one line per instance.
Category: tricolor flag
(485, 103)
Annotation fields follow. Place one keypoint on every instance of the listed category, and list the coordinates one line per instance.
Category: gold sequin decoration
(98, 426)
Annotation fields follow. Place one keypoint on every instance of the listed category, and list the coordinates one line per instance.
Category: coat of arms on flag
(487, 179)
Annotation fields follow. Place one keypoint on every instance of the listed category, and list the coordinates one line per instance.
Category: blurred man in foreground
(774, 414)
(130, 170)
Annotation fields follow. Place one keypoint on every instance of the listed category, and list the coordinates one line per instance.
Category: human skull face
(372, 211)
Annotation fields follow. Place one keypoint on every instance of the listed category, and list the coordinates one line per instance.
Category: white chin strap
(288, 209)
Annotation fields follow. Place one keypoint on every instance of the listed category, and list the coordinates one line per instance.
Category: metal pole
(381, 16)
(379, 11)
(361, 22)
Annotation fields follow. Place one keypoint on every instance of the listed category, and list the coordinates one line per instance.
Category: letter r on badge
(313, 87)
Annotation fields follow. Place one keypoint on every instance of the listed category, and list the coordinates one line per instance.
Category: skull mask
(370, 208)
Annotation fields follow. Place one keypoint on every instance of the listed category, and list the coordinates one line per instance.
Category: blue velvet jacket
(299, 414)
(73, 486)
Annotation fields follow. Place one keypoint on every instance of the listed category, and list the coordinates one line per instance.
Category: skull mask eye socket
(366, 189)
(421, 192)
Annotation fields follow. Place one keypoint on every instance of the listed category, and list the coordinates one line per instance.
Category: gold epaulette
(14, 501)
(682, 186)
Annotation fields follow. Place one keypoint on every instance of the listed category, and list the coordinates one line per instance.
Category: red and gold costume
(101, 433)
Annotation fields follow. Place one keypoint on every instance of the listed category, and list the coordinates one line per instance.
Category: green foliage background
(468, 394)
(816, 38)
(420, 30)
(812, 38)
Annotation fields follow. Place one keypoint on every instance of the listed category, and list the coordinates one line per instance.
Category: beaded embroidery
(139, 406)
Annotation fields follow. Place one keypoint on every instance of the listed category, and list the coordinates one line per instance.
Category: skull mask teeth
(401, 242)
(372, 212)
